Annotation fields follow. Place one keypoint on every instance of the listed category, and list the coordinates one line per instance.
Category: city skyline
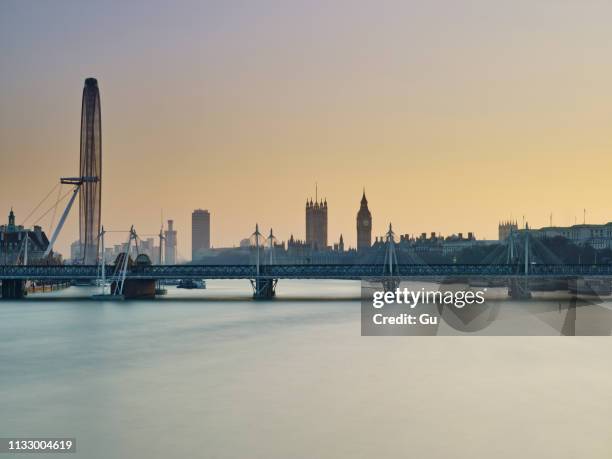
(239, 122)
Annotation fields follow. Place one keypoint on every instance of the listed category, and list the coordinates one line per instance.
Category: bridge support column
(390, 285)
(264, 289)
(13, 289)
(518, 289)
(138, 288)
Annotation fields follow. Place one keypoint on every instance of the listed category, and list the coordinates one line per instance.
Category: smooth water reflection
(232, 378)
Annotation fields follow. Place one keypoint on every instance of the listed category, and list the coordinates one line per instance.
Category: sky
(454, 115)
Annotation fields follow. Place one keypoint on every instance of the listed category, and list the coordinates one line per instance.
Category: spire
(11, 218)
(364, 201)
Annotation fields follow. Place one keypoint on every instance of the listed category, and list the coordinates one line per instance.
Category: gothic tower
(364, 225)
(316, 224)
(505, 228)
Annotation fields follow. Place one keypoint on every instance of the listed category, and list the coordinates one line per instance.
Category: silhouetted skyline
(454, 114)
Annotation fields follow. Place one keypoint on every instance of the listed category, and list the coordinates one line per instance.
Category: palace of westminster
(316, 245)
(316, 227)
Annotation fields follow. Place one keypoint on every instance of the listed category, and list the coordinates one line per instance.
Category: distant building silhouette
(316, 224)
(504, 229)
(364, 225)
(170, 244)
(147, 246)
(297, 248)
(598, 236)
(339, 247)
(200, 232)
(12, 243)
(75, 252)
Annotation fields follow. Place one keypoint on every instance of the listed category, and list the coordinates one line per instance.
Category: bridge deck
(320, 271)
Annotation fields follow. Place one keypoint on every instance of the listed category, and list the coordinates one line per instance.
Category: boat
(191, 284)
(169, 282)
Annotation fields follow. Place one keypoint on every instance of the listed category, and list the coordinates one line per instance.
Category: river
(214, 374)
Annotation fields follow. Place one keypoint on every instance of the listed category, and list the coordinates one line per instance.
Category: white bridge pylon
(118, 278)
(77, 182)
(390, 264)
(532, 250)
(263, 288)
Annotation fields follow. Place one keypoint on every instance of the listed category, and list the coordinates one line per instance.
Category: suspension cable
(51, 208)
(51, 226)
(40, 203)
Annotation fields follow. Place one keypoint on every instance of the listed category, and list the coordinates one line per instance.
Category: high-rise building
(364, 225)
(147, 247)
(170, 244)
(90, 198)
(75, 252)
(200, 232)
(316, 224)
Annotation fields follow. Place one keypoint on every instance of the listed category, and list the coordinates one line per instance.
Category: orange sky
(454, 115)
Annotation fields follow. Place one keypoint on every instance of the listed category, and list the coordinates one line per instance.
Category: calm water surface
(215, 374)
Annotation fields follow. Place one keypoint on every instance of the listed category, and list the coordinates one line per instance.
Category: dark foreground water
(232, 378)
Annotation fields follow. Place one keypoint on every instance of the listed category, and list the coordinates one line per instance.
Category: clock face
(366, 223)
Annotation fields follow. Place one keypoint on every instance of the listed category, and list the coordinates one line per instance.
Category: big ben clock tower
(364, 225)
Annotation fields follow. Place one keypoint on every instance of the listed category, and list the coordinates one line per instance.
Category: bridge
(373, 272)
(513, 263)
(264, 277)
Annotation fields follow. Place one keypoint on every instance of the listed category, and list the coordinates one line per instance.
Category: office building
(170, 244)
(200, 232)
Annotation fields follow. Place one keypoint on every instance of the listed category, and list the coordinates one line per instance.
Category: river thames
(214, 374)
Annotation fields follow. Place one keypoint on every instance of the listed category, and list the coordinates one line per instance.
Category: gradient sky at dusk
(453, 114)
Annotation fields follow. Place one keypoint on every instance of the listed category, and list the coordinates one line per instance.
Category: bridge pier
(264, 289)
(390, 285)
(13, 289)
(518, 289)
(138, 289)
